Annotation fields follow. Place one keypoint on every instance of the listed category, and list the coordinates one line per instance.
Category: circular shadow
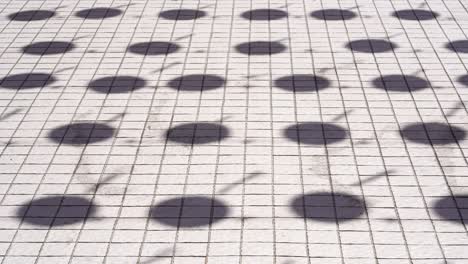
(328, 207)
(98, 13)
(56, 211)
(189, 211)
(48, 47)
(450, 207)
(433, 133)
(400, 83)
(463, 80)
(315, 133)
(415, 14)
(302, 83)
(117, 84)
(31, 15)
(196, 82)
(333, 14)
(371, 45)
(182, 14)
(81, 133)
(197, 133)
(264, 14)
(458, 46)
(260, 48)
(153, 48)
(27, 80)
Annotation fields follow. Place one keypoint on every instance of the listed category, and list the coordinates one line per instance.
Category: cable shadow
(197, 133)
(415, 14)
(333, 14)
(98, 13)
(302, 83)
(117, 84)
(264, 14)
(48, 48)
(328, 207)
(400, 83)
(153, 48)
(371, 45)
(189, 211)
(25, 81)
(315, 133)
(260, 48)
(31, 15)
(183, 14)
(196, 82)
(56, 211)
(433, 133)
(81, 133)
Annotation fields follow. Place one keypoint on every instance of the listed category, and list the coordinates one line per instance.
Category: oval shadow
(400, 83)
(31, 15)
(260, 48)
(153, 48)
(450, 208)
(302, 83)
(315, 133)
(81, 133)
(433, 133)
(371, 45)
(182, 14)
(463, 80)
(264, 14)
(56, 211)
(27, 80)
(328, 207)
(196, 82)
(98, 13)
(415, 14)
(458, 46)
(333, 14)
(189, 211)
(48, 47)
(117, 84)
(197, 133)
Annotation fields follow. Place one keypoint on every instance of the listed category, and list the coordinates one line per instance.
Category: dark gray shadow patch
(27, 81)
(433, 133)
(183, 14)
(189, 211)
(463, 80)
(48, 47)
(315, 133)
(153, 48)
(415, 14)
(371, 45)
(264, 14)
(261, 48)
(197, 133)
(98, 13)
(452, 208)
(117, 84)
(196, 82)
(460, 46)
(81, 133)
(302, 83)
(56, 211)
(31, 15)
(333, 14)
(328, 207)
(401, 83)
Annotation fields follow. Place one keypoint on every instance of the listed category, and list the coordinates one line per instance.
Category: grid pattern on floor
(229, 131)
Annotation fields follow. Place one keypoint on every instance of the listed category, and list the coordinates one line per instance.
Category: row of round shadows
(192, 14)
(296, 83)
(307, 133)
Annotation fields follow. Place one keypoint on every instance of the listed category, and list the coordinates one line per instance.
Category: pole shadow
(371, 45)
(264, 14)
(197, 133)
(98, 13)
(433, 133)
(196, 82)
(315, 133)
(333, 14)
(189, 211)
(117, 84)
(31, 15)
(400, 83)
(56, 211)
(81, 133)
(153, 48)
(48, 48)
(25, 81)
(328, 207)
(302, 83)
(182, 14)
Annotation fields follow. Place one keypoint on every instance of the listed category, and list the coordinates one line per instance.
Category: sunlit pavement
(230, 131)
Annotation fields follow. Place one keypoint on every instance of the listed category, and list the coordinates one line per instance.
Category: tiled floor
(233, 131)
